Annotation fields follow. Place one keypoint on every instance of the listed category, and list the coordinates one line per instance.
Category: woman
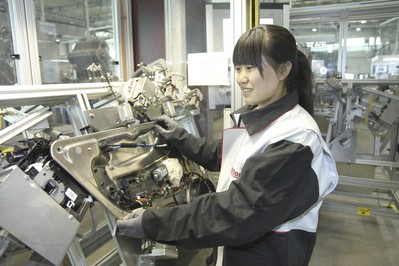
(275, 168)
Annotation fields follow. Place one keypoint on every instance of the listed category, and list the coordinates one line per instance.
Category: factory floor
(347, 236)
(347, 239)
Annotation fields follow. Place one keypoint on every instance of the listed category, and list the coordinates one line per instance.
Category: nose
(242, 78)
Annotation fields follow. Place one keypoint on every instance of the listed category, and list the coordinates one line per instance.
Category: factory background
(82, 68)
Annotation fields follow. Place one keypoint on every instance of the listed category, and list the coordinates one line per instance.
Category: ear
(284, 70)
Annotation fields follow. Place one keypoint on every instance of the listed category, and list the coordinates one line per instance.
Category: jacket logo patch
(235, 174)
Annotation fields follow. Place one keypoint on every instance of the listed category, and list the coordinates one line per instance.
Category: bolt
(110, 167)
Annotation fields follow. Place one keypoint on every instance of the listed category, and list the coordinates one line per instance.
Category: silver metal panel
(391, 114)
(50, 94)
(102, 118)
(32, 216)
(369, 183)
(343, 147)
(24, 124)
(82, 157)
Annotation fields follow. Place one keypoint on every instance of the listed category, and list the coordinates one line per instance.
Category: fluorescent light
(355, 42)
(59, 60)
(390, 59)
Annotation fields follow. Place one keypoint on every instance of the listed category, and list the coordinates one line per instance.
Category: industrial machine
(362, 132)
(49, 179)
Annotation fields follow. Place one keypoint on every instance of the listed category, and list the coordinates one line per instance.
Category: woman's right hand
(165, 126)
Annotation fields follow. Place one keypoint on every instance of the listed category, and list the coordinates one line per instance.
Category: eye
(238, 68)
(249, 67)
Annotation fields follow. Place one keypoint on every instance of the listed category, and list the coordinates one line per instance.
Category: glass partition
(72, 35)
(7, 66)
(372, 46)
(320, 43)
(352, 42)
(220, 44)
(199, 44)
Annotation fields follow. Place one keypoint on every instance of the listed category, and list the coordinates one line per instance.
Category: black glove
(165, 126)
(131, 225)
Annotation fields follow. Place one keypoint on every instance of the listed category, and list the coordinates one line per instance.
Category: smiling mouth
(247, 90)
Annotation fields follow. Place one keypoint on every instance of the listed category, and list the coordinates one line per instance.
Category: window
(72, 35)
(348, 40)
(320, 43)
(206, 32)
(372, 48)
(7, 66)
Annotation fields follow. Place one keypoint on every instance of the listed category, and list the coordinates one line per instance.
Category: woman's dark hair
(277, 45)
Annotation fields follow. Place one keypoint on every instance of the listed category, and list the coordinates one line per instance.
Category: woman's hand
(165, 126)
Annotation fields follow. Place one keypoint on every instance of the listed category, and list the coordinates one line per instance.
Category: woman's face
(258, 90)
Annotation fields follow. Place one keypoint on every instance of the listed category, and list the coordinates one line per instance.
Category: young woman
(275, 168)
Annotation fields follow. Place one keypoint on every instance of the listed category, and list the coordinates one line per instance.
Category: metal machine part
(139, 172)
(129, 168)
(51, 199)
(115, 158)
(363, 135)
(42, 233)
(376, 105)
(101, 171)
